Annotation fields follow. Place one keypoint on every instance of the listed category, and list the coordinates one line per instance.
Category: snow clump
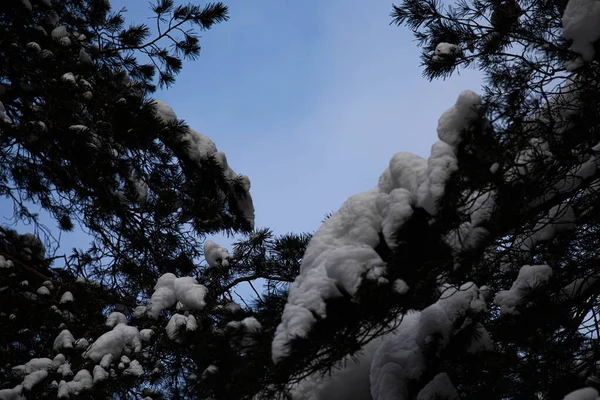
(342, 251)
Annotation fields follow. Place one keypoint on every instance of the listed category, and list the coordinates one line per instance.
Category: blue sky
(308, 98)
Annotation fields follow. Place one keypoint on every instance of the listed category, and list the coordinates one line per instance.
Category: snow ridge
(342, 252)
(199, 148)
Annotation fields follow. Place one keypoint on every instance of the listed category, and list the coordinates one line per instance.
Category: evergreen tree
(472, 274)
(73, 338)
(81, 137)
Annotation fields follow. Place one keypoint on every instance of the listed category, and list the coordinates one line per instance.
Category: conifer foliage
(81, 137)
(472, 274)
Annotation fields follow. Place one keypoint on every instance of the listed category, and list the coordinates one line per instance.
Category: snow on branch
(199, 148)
(342, 252)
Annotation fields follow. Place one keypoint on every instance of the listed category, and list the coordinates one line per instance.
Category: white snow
(530, 277)
(580, 24)
(175, 324)
(587, 393)
(342, 251)
(69, 77)
(27, 4)
(396, 361)
(400, 287)
(405, 171)
(134, 369)
(251, 325)
(63, 390)
(146, 334)
(190, 293)
(4, 263)
(99, 374)
(65, 41)
(52, 18)
(139, 311)
(43, 291)
(400, 359)
(85, 84)
(115, 318)
(191, 324)
(560, 218)
(470, 234)
(481, 342)
(458, 118)
(444, 51)
(35, 364)
(163, 296)
(164, 112)
(199, 147)
(396, 209)
(350, 382)
(41, 30)
(216, 255)
(233, 307)
(48, 284)
(81, 381)
(169, 289)
(114, 343)
(79, 128)
(179, 321)
(579, 286)
(385, 368)
(440, 388)
(81, 344)
(106, 361)
(67, 297)
(64, 340)
(33, 379)
(65, 370)
(67, 315)
(34, 46)
(59, 32)
(46, 54)
(12, 394)
(436, 320)
(84, 57)
(248, 327)
(210, 370)
(480, 207)
(58, 360)
(442, 160)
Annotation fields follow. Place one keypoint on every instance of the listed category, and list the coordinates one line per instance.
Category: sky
(310, 99)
